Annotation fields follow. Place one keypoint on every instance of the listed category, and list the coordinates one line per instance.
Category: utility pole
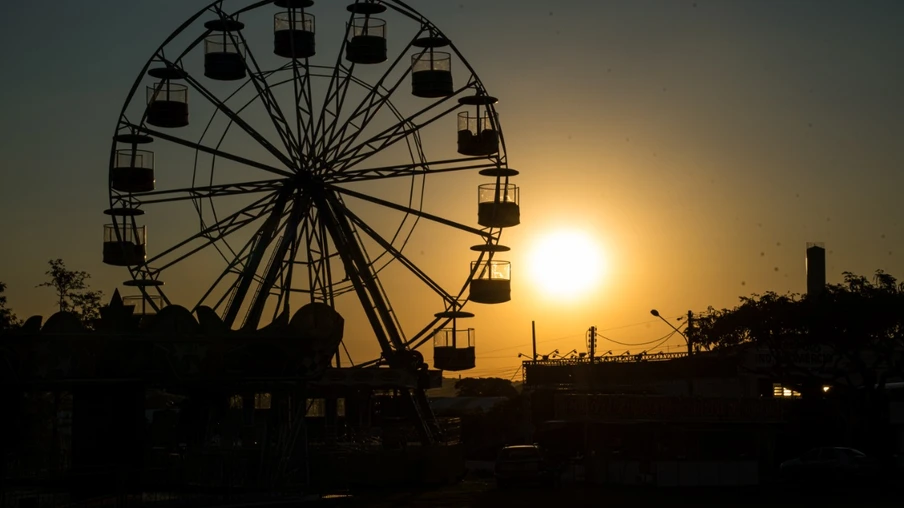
(689, 336)
(533, 334)
(592, 343)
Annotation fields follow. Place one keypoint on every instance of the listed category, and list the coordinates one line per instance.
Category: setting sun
(566, 264)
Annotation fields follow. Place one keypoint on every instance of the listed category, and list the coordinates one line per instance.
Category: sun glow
(566, 264)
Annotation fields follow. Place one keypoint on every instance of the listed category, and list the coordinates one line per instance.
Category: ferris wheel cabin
(476, 135)
(491, 281)
(367, 44)
(124, 245)
(453, 349)
(133, 169)
(497, 205)
(431, 71)
(224, 51)
(167, 105)
(293, 32)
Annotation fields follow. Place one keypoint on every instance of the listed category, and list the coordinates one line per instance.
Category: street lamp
(666, 321)
(690, 378)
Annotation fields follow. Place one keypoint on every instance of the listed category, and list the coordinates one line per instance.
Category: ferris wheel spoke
(413, 169)
(413, 211)
(336, 95)
(258, 78)
(340, 138)
(219, 230)
(397, 254)
(377, 97)
(208, 192)
(401, 130)
(237, 120)
(299, 93)
(206, 149)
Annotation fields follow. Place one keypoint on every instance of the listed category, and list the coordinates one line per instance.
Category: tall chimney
(816, 267)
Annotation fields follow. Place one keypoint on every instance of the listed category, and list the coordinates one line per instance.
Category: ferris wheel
(280, 164)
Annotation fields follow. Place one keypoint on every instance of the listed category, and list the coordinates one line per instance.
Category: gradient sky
(700, 143)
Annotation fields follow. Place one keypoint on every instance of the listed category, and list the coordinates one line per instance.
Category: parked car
(830, 463)
(524, 464)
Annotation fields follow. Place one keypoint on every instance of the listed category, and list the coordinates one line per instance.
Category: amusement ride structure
(308, 171)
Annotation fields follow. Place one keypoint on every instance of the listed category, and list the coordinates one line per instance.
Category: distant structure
(816, 267)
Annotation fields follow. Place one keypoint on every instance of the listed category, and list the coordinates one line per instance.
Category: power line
(638, 343)
(581, 335)
(664, 340)
(538, 342)
(631, 325)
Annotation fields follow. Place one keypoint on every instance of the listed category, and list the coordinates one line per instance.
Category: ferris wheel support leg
(268, 231)
(358, 271)
(260, 298)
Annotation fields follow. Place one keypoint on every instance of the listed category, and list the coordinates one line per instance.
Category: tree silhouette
(485, 387)
(862, 321)
(8, 320)
(73, 294)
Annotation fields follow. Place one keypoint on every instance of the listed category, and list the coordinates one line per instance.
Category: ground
(474, 493)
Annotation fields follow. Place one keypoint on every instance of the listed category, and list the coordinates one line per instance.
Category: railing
(642, 357)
